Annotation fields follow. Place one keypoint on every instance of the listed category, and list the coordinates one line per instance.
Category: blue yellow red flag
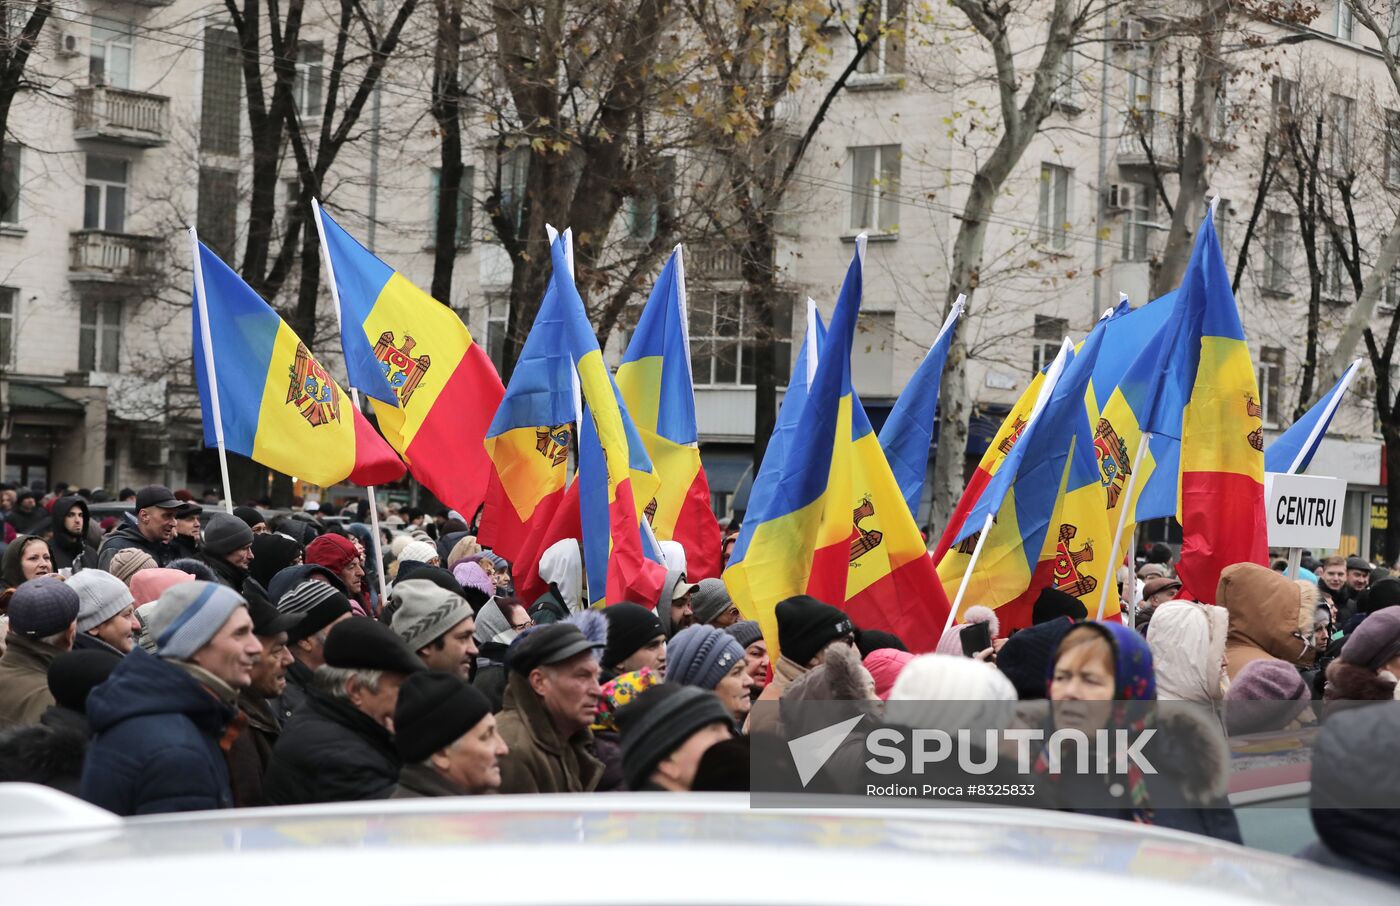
(276, 404)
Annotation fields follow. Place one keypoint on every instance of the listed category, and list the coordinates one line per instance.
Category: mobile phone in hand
(975, 637)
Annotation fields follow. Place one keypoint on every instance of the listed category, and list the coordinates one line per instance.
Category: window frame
(1055, 196)
(1269, 371)
(309, 79)
(11, 173)
(706, 340)
(99, 335)
(9, 324)
(462, 240)
(879, 55)
(104, 189)
(1139, 222)
(1278, 251)
(117, 35)
(880, 194)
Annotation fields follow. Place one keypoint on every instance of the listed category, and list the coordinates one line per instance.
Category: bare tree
(16, 45)
(1023, 110)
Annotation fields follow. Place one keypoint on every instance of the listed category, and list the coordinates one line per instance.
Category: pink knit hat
(149, 584)
(884, 665)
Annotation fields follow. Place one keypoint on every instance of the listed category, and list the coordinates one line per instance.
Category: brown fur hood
(1348, 682)
(1270, 615)
(1192, 754)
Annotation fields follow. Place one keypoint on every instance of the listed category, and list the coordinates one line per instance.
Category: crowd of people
(180, 657)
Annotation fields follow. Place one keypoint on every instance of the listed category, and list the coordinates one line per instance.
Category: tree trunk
(447, 110)
(1194, 179)
(760, 297)
(1391, 433)
(13, 61)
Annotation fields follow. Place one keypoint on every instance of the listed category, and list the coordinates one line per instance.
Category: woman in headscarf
(27, 557)
(1100, 679)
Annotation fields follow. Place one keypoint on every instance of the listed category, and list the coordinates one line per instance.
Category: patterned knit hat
(622, 691)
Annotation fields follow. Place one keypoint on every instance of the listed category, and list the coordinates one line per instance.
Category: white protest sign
(1303, 510)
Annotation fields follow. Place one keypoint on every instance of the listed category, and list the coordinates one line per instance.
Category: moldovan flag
(1221, 496)
(434, 389)
(1293, 450)
(655, 382)
(907, 433)
(528, 441)
(276, 404)
(613, 464)
(798, 523)
(1028, 497)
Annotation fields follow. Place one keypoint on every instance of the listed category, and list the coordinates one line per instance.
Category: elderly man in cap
(339, 745)
(164, 723)
(437, 624)
(152, 532)
(1358, 575)
(551, 699)
(43, 621)
(664, 734)
(260, 701)
(447, 737)
(228, 549)
(106, 612)
(713, 606)
(321, 606)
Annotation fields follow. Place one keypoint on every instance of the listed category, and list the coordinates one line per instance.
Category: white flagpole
(967, 573)
(209, 372)
(377, 550)
(1112, 566)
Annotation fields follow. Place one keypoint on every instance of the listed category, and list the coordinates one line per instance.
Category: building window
(217, 218)
(1270, 383)
(886, 55)
(9, 301)
(1049, 337)
(1138, 222)
(1064, 95)
(1340, 116)
(1346, 22)
(221, 92)
(1054, 205)
(104, 200)
(726, 340)
(643, 210)
(463, 237)
(1144, 80)
(1278, 252)
(9, 182)
(99, 335)
(514, 172)
(109, 62)
(875, 188)
(1284, 101)
(291, 196)
(1392, 147)
(306, 83)
(1335, 280)
(1390, 296)
(497, 322)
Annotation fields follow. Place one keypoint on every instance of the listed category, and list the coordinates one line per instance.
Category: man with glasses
(497, 625)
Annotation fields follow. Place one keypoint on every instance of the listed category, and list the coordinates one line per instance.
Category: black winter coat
(71, 551)
(331, 751)
(50, 752)
(157, 747)
(128, 534)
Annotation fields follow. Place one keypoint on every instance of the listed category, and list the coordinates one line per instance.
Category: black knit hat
(434, 710)
(724, 768)
(1025, 658)
(1054, 603)
(360, 643)
(659, 722)
(249, 515)
(73, 674)
(868, 640)
(806, 626)
(630, 626)
(544, 645)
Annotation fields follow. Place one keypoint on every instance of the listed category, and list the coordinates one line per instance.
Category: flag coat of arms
(434, 389)
(276, 403)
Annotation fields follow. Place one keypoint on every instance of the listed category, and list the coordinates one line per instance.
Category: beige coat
(24, 680)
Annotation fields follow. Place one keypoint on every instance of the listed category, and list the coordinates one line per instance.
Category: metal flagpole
(355, 400)
(209, 371)
(1112, 567)
(967, 573)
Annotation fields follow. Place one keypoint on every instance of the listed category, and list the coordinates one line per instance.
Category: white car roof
(619, 849)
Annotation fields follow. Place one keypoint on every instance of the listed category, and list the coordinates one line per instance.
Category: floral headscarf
(622, 691)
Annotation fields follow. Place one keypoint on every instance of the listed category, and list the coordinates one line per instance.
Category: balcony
(1158, 131)
(118, 115)
(102, 257)
(713, 261)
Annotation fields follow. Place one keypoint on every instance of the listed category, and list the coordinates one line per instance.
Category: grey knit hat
(188, 615)
(746, 632)
(101, 596)
(710, 600)
(701, 656)
(424, 611)
(225, 534)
